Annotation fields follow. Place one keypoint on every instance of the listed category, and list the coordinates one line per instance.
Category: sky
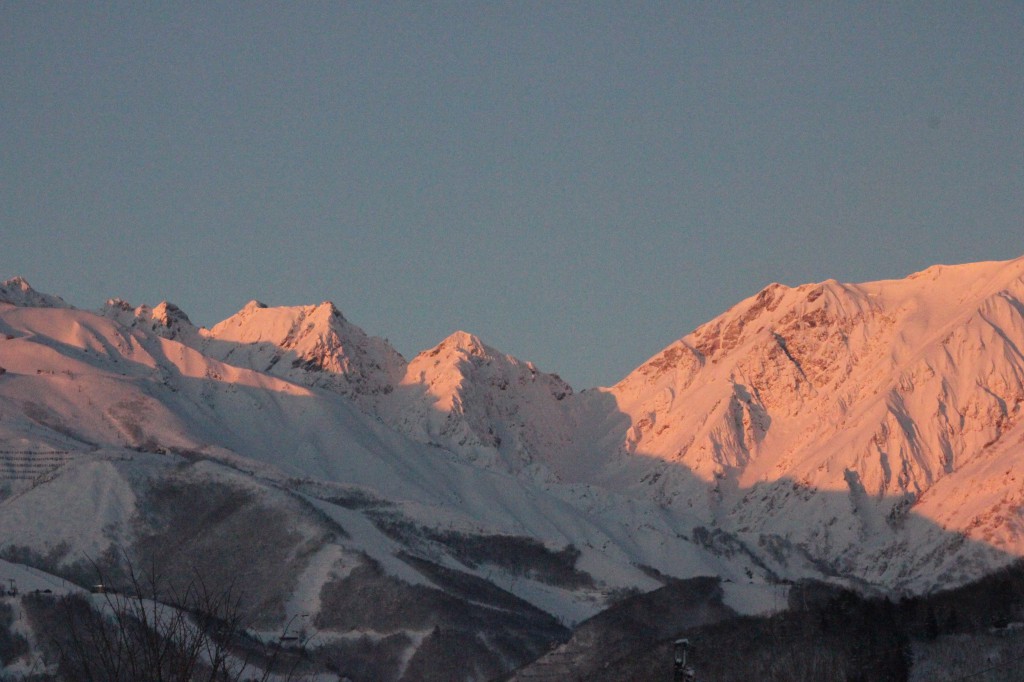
(577, 183)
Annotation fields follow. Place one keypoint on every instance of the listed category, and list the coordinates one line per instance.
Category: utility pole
(682, 672)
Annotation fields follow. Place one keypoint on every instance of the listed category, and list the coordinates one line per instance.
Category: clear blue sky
(579, 184)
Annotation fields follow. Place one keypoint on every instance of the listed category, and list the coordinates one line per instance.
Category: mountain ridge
(867, 434)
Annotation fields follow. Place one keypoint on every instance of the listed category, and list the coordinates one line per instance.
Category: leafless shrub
(225, 533)
(156, 631)
(12, 645)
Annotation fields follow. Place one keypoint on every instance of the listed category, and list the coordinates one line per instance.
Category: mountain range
(465, 509)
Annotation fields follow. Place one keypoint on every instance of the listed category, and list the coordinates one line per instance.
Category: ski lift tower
(682, 672)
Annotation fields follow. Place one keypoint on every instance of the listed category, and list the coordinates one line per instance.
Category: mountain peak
(465, 341)
(117, 304)
(253, 305)
(318, 345)
(17, 282)
(168, 313)
(331, 308)
(18, 292)
(165, 319)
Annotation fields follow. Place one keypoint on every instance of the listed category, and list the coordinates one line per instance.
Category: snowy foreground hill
(463, 510)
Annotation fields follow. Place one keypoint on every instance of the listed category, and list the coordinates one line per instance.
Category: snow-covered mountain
(309, 345)
(868, 430)
(131, 431)
(16, 291)
(489, 407)
(461, 395)
(868, 433)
